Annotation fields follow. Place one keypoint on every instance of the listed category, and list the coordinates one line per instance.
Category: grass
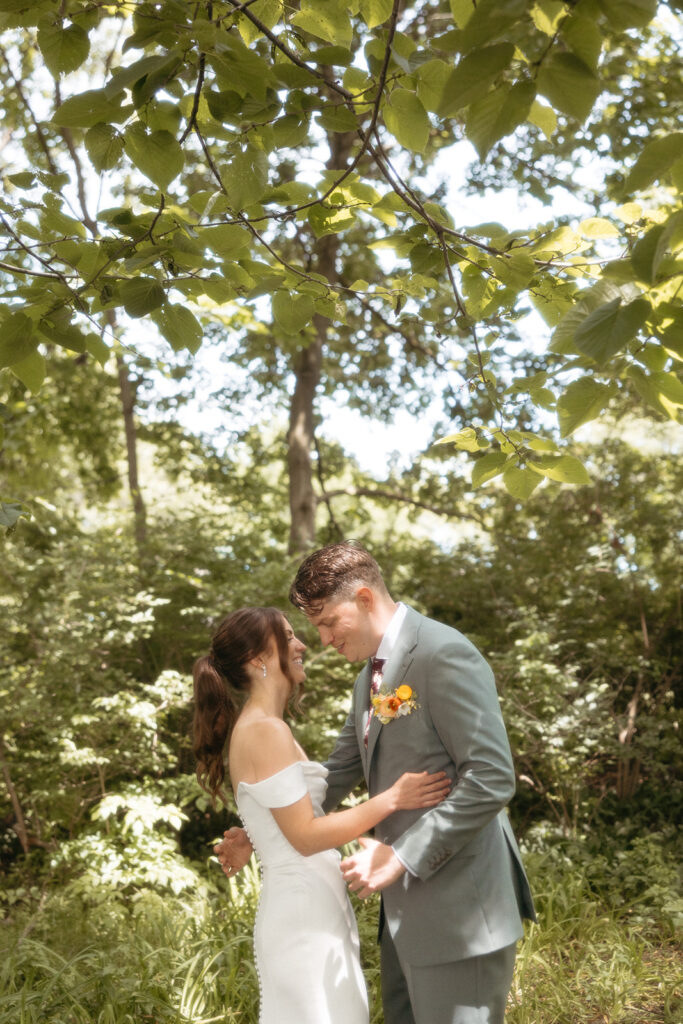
(161, 959)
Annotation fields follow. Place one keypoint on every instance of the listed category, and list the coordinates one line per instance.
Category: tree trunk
(307, 368)
(127, 393)
(20, 822)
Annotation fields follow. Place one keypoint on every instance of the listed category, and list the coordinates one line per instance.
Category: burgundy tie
(375, 683)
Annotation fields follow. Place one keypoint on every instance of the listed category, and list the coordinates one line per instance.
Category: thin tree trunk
(127, 393)
(307, 368)
(302, 498)
(20, 825)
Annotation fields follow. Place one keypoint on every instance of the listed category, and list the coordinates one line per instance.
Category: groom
(454, 892)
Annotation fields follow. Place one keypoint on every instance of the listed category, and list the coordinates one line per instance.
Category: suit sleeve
(344, 765)
(463, 706)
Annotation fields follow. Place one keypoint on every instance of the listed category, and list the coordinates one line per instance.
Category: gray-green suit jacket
(465, 892)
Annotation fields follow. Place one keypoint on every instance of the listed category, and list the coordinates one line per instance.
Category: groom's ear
(365, 599)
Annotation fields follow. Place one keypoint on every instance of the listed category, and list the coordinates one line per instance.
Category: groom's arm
(463, 705)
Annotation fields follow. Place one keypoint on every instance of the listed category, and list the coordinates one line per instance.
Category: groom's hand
(374, 868)
(234, 851)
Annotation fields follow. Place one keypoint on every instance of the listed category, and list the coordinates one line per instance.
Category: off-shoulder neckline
(269, 778)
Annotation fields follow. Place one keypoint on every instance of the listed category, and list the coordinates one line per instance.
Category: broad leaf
(104, 145)
(141, 295)
(610, 328)
(87, 109)
(292, 312)
(246, 178)
(487, 467)
(63, 49)
(473, 76)
(30, 371)
(157, 154)
(520, 482)
(225, 239)
(583, 400)
(498, 114)
(17, 339)
(179, 326)
(407, 120)
(569, 84)
(565, 469)
(654, 161)
(328, 21)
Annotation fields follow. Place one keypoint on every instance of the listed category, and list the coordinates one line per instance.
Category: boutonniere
(399, 702)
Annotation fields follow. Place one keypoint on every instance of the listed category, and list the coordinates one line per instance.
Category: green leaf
(487, 467)
(30, 371)
(225, 239)
(562, 340)
(126, 77)
(325, 20)
(598, 227)
(24, 179)
(375, 12)
(157, 154)
(17, 339)
(10, 512)
(515, 269)
(654, 161)
(88, 109)
(610, 327)
(569, 84)
(473, 76)
(246, 179)
(407, 120)
(467, 440)
(292, 312)
(582, 401)
(498, 114)
(431, 82)
(544, 118)
(141, 295)
(650, 250)
(327, 220)
(625, 14)
(651, 389)
(63, 49)
(104, 145)
(179, 326)
(566, 469)
(63, 333)
(520, 482)
(97, 348)
(583, 37)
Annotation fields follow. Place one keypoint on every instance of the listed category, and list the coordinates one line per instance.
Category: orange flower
(404, 692)
(389, 707)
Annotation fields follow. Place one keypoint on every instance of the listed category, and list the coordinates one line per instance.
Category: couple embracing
(426, 734)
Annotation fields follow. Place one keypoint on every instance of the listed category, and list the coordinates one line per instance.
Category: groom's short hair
(334, 572)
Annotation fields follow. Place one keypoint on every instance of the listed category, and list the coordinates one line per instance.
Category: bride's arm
(307, 833)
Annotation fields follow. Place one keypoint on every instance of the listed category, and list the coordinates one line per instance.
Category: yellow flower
(404, 692)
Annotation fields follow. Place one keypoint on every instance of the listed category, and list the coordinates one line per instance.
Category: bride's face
(295, 652)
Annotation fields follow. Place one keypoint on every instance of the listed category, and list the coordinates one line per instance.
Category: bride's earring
(265, 670)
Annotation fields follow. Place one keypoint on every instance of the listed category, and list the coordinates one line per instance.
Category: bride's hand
(234, 851)
(420, 789)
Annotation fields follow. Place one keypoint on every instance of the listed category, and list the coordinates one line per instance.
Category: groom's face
(347, 626)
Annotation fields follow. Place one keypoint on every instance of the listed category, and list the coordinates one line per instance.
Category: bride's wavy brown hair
(221, 685)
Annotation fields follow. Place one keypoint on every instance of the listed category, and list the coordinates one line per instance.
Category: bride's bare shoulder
(260, 745)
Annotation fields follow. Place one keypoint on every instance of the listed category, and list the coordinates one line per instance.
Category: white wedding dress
(305, 934)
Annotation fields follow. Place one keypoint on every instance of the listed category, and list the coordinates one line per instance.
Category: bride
(305, 934)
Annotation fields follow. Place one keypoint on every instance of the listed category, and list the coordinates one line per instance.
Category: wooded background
(220, 219)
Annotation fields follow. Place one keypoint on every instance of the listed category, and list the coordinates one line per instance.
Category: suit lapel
(401, 660)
